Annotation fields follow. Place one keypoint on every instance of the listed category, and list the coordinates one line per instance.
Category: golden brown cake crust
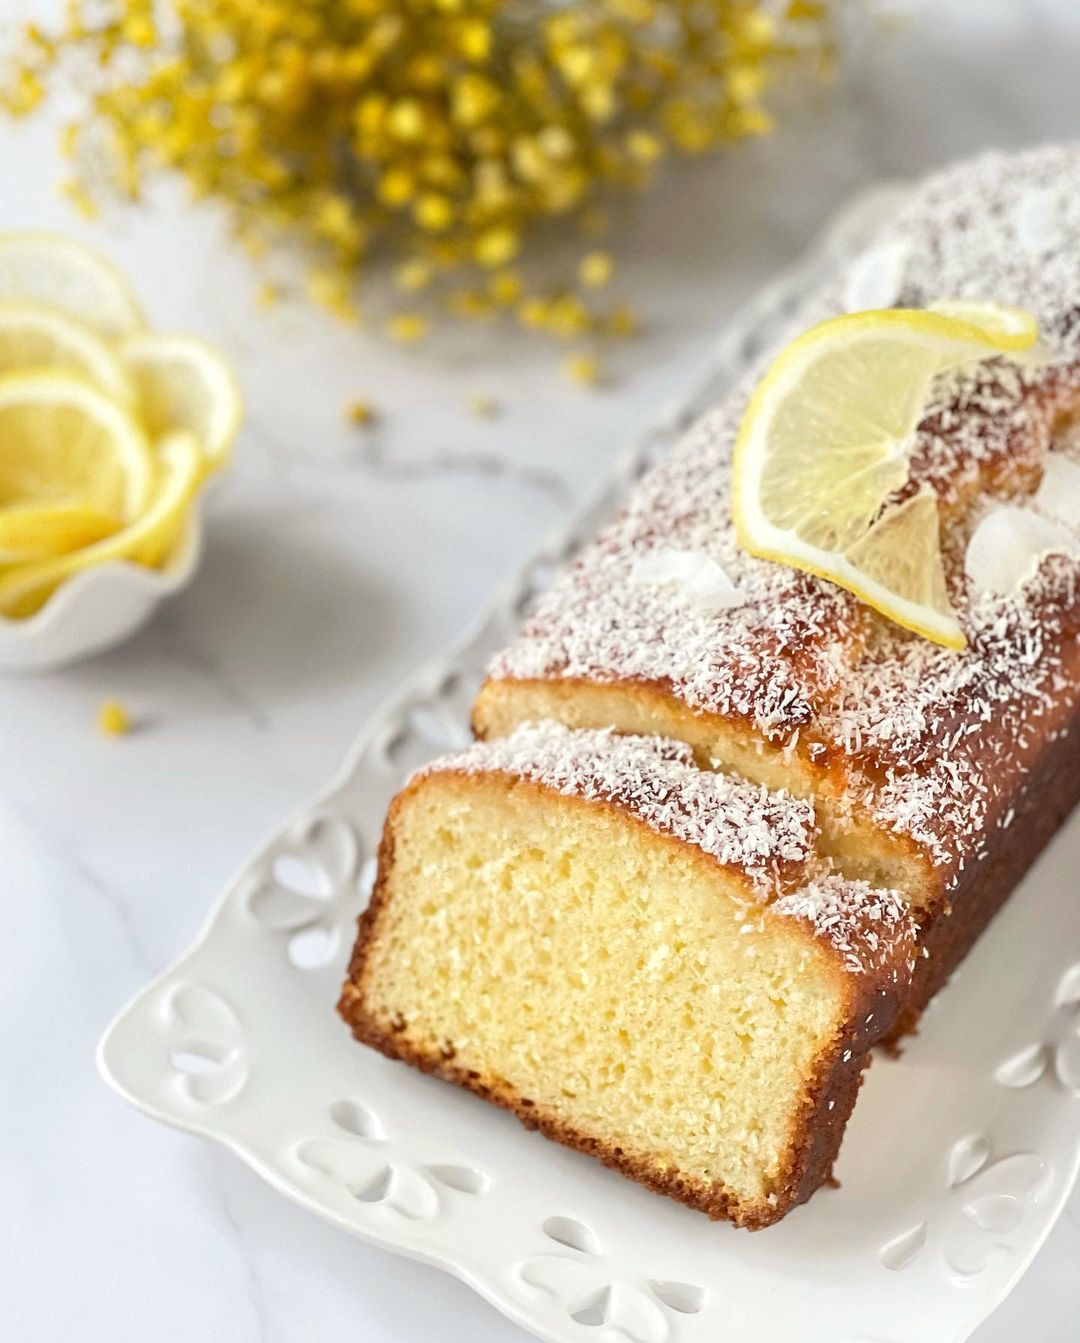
(809, 1161)
(1052, 791)
(873, 997)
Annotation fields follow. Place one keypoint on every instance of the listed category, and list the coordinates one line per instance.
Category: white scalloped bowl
(98, 608)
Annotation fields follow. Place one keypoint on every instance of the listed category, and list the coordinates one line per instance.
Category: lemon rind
(959, 340)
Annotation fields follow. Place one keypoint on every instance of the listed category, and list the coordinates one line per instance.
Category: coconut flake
(697, 578)
(1059, 490)
(1008, 545)
(876, 279)
(1041, 220)
(742, 825)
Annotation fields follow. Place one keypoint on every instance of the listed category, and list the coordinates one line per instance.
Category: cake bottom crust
(811, 1159)
(817, 1119)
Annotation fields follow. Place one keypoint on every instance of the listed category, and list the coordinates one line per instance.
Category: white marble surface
(335, 563)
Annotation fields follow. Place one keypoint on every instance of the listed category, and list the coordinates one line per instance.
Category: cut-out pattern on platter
(594, 1292)
(358, 1159)
(205, 1044)
(307, 888)
(987, 1202)
(1057, 1056)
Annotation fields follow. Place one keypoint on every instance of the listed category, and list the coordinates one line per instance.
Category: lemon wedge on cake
(826, 440)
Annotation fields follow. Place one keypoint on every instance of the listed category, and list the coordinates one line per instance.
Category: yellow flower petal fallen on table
(361, 414)
(148, 540)
(584, 368)
(113, 719)
(483, 406)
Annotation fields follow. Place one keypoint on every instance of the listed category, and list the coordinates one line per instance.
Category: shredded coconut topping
(931, 743)
(768, 836)
(871, 929)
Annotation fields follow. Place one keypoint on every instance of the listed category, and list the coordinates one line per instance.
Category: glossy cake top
(765, 835)
(925, 738)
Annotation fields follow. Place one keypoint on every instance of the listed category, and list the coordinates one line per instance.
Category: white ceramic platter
(957, 1162)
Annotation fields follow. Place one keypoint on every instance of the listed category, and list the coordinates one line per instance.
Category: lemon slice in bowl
(62, 439)
(147, 540)
(32, 531)
(37, 336)
(44, 268)
(183, 384)
(826, 439)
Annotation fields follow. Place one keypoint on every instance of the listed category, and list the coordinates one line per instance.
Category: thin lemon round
(826, 439)
(183, 384)
(37, 336)
(34, 531)
(149, 540)
(47, 268)
(62, 439)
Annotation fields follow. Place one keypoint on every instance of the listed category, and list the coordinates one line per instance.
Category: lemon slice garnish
(148, 540)
(32, 531)
(44, 268)
(183, 384)
(1007, 327)
(61, 439)
(826, 439)
(37, 336)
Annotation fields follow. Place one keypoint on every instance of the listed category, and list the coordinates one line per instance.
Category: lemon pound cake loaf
(937, 770)
(639, 958)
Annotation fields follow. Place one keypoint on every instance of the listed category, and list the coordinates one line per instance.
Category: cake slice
(643, 960)
(938, 773)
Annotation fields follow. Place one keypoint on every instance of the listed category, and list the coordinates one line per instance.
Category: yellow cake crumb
(483, 405)
(113, 719)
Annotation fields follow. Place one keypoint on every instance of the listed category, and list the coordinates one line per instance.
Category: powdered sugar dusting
(768, 836)
(931, 743)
